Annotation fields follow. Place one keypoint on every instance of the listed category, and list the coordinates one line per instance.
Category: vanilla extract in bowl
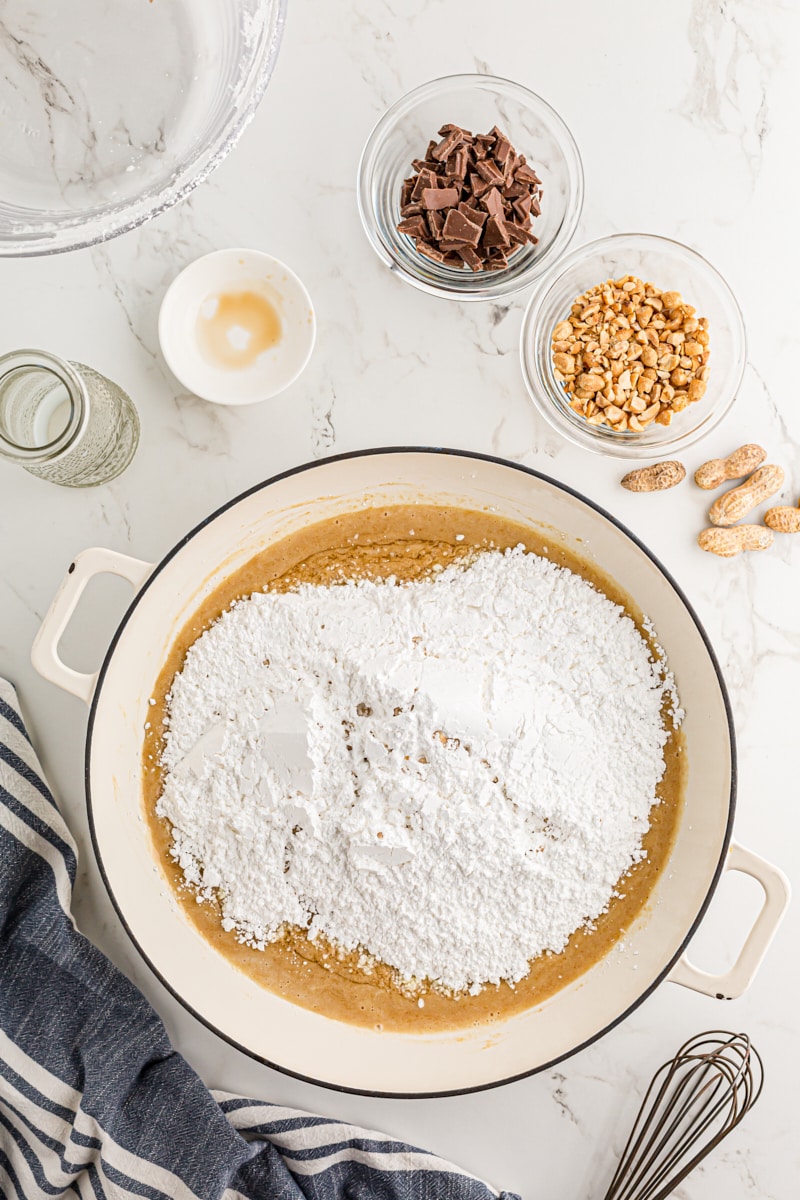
(234, 328)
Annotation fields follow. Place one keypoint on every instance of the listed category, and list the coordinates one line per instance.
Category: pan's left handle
(737, 980)
(44, 652)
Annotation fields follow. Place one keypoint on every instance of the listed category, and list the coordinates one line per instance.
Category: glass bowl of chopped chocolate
(633, 345)
(470, 187)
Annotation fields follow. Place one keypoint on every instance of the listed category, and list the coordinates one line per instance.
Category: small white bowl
(190, 299)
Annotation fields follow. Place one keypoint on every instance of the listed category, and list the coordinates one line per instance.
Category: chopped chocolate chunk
(448, 144)
(439, 197)
(489, 171)
(494, 234)
(479, 187)
(472, 214)
(502, 150)
(415, 227)
(458, 162)
(509, 168)
(524, 174)
(493, 203)
(473, 260)
(516, 233)
(470, 201)
(458, 229)
(425, 179)
(499, 254)
(435, 223)
(522, 208)
(430, 251)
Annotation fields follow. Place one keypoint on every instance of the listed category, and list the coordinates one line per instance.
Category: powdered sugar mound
(450, 774)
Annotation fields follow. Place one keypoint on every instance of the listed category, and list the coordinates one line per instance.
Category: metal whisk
(693, 1102)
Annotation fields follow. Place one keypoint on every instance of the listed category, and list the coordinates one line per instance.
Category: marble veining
(686, 119)
(70, 135)
(734, 57)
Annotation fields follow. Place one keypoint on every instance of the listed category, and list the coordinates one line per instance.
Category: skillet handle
(737, 980)
(44, 652)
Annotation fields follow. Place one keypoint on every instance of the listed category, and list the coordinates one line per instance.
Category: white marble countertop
(686, 119)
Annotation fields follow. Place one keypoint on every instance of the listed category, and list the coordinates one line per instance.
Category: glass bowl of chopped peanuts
(633, 345)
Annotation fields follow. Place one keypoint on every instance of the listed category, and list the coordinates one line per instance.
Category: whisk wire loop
(692, 1103)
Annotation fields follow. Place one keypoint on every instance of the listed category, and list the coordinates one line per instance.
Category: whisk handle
(776, 897)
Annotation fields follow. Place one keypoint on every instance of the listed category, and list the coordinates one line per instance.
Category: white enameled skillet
(294, 1039)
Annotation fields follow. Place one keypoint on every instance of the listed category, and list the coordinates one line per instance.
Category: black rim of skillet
(468, 454)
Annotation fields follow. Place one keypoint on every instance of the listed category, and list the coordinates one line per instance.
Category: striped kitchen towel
(94, 1101)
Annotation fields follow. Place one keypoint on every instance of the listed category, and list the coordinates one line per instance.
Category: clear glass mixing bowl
(111, 112)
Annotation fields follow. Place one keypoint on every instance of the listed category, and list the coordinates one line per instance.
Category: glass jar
(64, 421)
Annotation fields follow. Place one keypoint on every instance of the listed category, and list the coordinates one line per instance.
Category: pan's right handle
(736, 981)
(44, 652)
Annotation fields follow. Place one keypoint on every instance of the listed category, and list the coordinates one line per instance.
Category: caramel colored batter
(406, 542)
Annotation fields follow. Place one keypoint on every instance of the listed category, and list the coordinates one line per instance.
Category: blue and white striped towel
(94, 1101)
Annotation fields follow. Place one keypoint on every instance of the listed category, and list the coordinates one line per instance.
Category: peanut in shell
(727, 543)
(740, 501)
(657, 478)
(783, 519)
(718, 470)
